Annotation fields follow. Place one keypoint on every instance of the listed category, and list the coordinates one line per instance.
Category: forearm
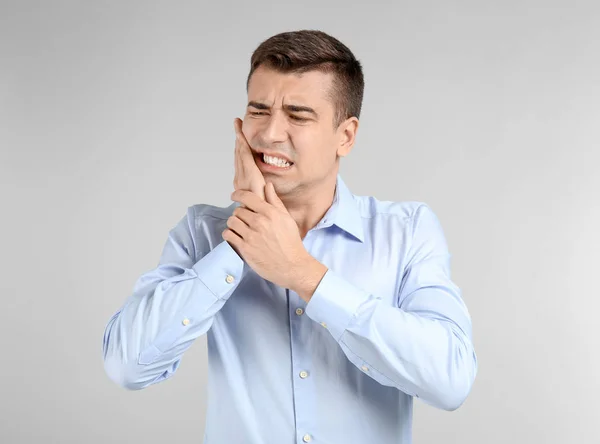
(170, 307)
(426, 356)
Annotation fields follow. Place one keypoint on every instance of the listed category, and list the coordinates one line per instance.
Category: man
(325, 313)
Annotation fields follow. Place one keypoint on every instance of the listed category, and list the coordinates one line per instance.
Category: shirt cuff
(335, 303)
(221, 270)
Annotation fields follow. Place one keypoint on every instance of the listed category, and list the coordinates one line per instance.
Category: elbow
(453, 397)
(118, 368)
(115, 366)
(457, 387)
(459, 376)
(135, 376)
(449, 397)
(123, 375)
(449, 389)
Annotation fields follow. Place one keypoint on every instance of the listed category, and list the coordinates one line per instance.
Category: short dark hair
(308, 50)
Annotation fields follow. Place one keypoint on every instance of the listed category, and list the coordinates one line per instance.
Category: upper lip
(281, 156)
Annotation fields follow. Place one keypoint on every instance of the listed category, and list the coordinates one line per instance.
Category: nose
(275, 128)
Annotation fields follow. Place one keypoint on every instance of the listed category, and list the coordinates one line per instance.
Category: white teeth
(275, 161)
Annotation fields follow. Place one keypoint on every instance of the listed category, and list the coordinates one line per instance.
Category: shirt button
(299, 311)
(186, 321)
(303, 374)
(306, 438)
(365, 368)
(229, 279)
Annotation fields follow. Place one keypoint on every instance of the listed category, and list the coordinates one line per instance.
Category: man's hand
(247, 175)
(267, 238)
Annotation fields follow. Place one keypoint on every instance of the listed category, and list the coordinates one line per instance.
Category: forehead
(276, 88)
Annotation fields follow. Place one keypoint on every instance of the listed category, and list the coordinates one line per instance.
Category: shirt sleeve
(169, 308)
(423, 346)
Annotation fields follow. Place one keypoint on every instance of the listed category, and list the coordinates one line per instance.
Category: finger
(232, 237)
(251, 201)
(238, 160)
(245, 215)
(238, 226)
(238, 172)
(237, 124)
(245, 150)
(240, 167)
(240, 135)
(240, 140)
(249, 167)
(272, 197)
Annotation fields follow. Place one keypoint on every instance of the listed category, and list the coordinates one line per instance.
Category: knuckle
(263, 222)
(270, 215)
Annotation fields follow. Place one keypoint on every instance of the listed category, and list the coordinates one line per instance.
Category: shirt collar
(344, 212)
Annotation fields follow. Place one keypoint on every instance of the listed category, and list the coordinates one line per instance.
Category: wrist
(308, 275)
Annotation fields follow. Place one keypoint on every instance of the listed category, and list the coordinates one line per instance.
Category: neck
(308, 206)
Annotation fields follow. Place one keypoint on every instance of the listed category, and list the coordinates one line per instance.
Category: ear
(347, 135)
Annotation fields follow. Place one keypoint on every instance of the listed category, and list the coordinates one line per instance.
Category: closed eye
(260, 113)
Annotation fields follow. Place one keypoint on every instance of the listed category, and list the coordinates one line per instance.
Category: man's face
(291, 115)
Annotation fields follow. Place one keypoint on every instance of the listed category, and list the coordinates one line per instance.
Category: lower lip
(268, 167)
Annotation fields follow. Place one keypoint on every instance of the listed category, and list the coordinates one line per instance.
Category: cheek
(314, 150)
(307, 139)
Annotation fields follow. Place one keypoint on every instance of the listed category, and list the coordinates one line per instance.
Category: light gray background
(116, 116)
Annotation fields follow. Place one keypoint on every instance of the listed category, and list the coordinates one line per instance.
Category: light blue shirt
(386, 324)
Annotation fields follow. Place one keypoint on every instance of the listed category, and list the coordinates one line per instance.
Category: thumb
(272, 196)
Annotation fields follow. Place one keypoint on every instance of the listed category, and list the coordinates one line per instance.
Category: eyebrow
(292, 108)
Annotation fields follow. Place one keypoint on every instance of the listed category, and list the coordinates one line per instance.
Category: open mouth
(274, 162)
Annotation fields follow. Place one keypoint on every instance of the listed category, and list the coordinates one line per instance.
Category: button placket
(303, 385)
